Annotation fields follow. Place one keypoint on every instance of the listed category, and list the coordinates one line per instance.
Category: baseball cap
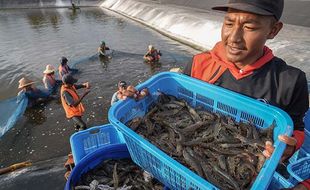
(122, 84)
(261, 7)
(69, 79)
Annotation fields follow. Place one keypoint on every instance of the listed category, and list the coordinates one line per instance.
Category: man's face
(245, 34)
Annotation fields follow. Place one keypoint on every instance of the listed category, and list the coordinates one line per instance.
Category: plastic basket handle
(94, 131)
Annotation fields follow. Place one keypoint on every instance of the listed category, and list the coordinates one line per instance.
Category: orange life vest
(51, 80)
(209, 66)
(204, 68)
(64, 69)
(71, 111)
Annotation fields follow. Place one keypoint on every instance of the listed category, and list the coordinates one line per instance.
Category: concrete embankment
(295, 12)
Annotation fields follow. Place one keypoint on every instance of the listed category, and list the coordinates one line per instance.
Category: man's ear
(275, 29)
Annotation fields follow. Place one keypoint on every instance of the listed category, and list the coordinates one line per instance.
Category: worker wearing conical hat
(49, 80)
(33, 94)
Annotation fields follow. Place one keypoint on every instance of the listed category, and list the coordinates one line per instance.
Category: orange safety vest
(64, 69)
(50, 79)
(204, 68)
(71, 111)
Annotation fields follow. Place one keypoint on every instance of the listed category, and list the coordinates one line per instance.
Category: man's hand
(76, 103)
(289, 151)
(87, 85)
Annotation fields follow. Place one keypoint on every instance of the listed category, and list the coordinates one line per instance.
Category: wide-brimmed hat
(261, 7)
(49, 69)
(23, 82)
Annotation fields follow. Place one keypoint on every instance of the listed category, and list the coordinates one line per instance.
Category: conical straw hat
(49, 69)
(23, 82)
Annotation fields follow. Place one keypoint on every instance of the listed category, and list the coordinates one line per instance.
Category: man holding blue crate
(242, 63)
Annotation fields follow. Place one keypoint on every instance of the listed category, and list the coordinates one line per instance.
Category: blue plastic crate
(298, 155)
(303, 153)
(307, 120)
(116, 151)
(305, 148)
(88, 141)
(91, 161)
(299, 170)
(213, 98)
(294, 157)
(279, 182)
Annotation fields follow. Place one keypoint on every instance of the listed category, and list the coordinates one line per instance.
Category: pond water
(31, 39)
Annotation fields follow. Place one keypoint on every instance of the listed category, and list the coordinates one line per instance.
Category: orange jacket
(209, 67)
(71, 111)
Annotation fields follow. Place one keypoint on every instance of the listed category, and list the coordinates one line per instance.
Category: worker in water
(71, 101)
(152, 55)
(73, 6)
(64, 68)
(125, 92)
(35, 95)
(49, 81)
(102, 49)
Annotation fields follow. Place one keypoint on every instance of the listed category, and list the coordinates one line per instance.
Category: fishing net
(12, 109)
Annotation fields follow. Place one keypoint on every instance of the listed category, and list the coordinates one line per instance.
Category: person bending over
(35, 95)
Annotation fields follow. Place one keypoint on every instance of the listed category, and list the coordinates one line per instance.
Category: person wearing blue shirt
(34, 95)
